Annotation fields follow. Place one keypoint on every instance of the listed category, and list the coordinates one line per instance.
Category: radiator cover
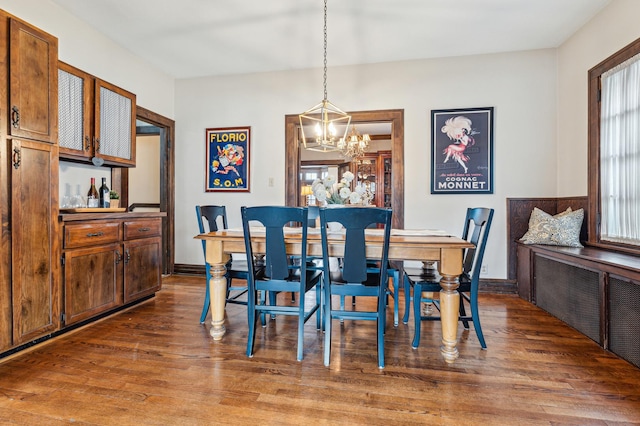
(624, 319)
(569, 293)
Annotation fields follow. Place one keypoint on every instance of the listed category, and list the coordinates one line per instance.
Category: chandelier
(355, 145)
(320, 126)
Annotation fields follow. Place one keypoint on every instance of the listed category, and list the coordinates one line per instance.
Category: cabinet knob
(118, 257)
(87, 143)
(144, 229)
(95, 234)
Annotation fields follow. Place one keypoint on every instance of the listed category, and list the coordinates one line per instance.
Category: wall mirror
(382, 166)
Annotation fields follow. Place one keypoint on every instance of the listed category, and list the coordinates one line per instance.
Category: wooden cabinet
(142, 261)
(374, 171)
(33, 89)
(35, 289)
(97, 119)
(29, 249)
(109, 262)
(385, 163)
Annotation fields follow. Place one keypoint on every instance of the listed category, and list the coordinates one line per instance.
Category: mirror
(385, 153)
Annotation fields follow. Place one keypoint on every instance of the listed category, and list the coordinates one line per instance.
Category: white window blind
(620, 153)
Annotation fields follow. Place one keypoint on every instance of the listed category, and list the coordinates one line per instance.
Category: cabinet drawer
(80, 235)
(142, 228)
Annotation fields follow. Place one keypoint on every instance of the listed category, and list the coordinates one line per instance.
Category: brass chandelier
(320, 126)
(355, 145)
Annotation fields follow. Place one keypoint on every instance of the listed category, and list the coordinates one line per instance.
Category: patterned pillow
(562, 229)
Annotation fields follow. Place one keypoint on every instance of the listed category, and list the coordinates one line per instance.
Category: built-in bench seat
(594, 290)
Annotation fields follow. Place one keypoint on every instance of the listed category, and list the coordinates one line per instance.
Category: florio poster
(228, 159)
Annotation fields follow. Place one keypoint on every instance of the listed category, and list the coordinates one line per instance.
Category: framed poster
(228, 150)
(462, 151)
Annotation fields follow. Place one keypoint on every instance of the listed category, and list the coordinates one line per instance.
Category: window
(614, 151)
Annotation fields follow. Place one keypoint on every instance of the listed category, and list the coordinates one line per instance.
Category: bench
(594, 290)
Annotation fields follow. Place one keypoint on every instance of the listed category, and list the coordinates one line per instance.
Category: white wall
(612, 29)
(520, 86)
(85, 48)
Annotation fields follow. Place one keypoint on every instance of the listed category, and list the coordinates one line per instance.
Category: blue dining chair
(355, 277)
(476, 231)
(280, 273)
(215, 218)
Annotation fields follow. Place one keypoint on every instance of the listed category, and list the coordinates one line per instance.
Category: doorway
(395, 117)
(164, 128)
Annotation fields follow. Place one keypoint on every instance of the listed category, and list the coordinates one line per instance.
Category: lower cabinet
(92, 281)
(108, 263)
(140, 280)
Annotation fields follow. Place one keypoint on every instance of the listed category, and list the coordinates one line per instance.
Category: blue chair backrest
(356, 220)
(274, 219)
(212, 214)
(476, 231)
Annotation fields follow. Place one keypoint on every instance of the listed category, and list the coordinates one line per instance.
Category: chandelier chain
(325, 50)
(324, 126)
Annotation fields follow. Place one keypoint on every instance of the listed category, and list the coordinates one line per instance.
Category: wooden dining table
(427, 246)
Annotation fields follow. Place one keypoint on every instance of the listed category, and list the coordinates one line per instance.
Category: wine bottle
(105, 200)
(92, 195)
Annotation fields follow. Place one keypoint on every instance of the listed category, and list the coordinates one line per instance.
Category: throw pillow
(562, 229)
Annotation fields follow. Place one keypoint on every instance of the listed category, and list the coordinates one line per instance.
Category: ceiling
(194, 38)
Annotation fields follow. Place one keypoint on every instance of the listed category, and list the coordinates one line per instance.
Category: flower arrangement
(329, 191)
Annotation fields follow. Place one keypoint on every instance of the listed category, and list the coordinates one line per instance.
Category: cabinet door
(142, 266)
(386, 183)
(115, 124)
(75, 109)
(92, 281)
(34, 193)
(6, 317)
(33, 89)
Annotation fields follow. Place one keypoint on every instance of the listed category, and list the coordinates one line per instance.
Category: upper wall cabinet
(96, 119)
(33, 103)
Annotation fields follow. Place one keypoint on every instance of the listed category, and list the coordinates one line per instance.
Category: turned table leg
(218, 296)
(450, 269)
(449, 303)
(217, 260)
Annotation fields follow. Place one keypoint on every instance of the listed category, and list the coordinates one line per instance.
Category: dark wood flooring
(156, 365)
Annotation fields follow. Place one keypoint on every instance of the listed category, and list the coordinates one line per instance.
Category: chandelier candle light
(324, 118)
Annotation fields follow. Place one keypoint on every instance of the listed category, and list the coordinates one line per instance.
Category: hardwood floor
(156, 365)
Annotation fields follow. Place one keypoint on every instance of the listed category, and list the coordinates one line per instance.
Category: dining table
(427, 246)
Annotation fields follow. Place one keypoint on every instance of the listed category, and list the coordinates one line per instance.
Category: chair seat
(430, 280)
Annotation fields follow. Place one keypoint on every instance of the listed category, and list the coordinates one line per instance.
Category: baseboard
(498, 286)
(186, 269)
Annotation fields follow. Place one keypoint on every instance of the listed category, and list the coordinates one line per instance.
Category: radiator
(624, 319)
(569, 293)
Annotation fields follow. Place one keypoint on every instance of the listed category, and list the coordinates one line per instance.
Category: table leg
(450, 268)
(429, 272)
(449, 305)
(218, 296)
